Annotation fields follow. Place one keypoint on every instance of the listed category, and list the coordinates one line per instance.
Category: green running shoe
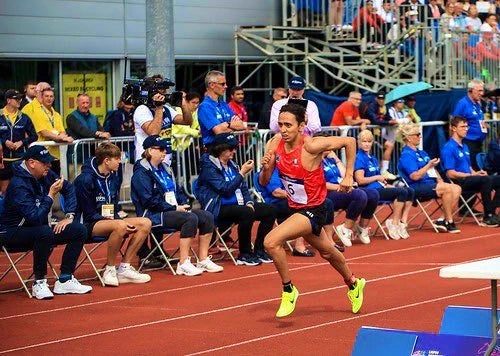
(287, 303)
(356, 295)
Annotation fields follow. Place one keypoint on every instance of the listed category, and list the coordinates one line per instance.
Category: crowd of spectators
(31, 180)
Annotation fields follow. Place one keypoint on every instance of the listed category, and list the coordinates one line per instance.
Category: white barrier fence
(190, 149)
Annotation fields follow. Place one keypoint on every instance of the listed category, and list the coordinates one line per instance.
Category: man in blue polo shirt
(469, 107)
(214, 114)
(456, 163)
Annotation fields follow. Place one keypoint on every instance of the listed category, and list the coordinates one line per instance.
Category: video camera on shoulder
(141, 92)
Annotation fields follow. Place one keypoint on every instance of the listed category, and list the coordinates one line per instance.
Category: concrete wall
(115, 28)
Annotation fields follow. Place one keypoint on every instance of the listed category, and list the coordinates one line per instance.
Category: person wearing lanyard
(222, 190)
(16, 134)
(155, 196)
(96, 193)
(367, 174)
(469, 107)
(214, 114)
(417, 169)
(49, 125)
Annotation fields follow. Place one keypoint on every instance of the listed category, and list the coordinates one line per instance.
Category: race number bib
(170, 198)
(108, 211)
(295, 189)
(239, 197)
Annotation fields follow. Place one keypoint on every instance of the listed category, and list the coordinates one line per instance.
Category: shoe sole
(136, 281)
(44, 298)
(181, 273)
(72, 292)
(211, 271)
(242, 263)
(440, 228)
(455, 231)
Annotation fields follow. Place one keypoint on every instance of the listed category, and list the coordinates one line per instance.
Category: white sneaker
(71, 286)
(363, 234)
(345, 235)
(402, 230)
(392, 230)
(109, 277)
(40, 290)
(188, 269)
(130, 275)
(207, 265)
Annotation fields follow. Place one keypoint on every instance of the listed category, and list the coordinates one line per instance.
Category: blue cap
(225, 138)
(39, 153)
(154, 141)
(297, 83)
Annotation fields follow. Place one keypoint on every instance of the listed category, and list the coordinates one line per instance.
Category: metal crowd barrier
(252, 146)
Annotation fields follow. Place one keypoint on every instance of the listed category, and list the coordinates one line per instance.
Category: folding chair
(13, 263)
(260, 198)
(380, 222)
(166, 234)
(427, 206)
(218, 234)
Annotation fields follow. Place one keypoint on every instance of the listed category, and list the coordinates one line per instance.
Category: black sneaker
(452, 228)
(263, 257)
(248, 260)
(151, 262)
(440, 225)
(490, 221)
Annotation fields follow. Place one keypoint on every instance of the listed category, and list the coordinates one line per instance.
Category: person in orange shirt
(348, 112)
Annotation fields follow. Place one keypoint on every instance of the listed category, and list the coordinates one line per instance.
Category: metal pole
(160, 58)
(494, 317)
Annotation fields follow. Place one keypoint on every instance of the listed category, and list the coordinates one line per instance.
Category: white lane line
(129, 297)
(239, 306)
(338, 321)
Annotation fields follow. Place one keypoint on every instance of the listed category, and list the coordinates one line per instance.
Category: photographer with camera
(153, 117)
(214, 114)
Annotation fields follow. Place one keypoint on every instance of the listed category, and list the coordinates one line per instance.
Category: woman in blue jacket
(154, 195)
(16, 134)
(223, 191)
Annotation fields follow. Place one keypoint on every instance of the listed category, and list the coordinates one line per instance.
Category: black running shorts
(318, 216)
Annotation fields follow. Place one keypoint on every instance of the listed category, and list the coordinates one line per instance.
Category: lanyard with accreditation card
(230, 176)
(167, 183)
(108, 209)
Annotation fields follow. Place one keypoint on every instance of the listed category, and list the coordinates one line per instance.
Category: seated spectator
(96, 192)
(275, 194)
(81, 123)
(487, 50)
(356, 203)
(224, 192)
(417, 169)
(16, 134)
(348, 112)
(410, 102)
(367, 174)
(455, 157)
(154, 194)
(24, 221)
(193, 101)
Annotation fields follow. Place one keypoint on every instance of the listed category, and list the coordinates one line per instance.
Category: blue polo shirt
(210, 114)
(474, 115)
(455, 156)
(411, 161)
(370, 165)
(267, 190)
(332, 172)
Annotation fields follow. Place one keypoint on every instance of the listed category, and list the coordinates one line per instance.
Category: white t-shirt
(313, 121)
(142, 115)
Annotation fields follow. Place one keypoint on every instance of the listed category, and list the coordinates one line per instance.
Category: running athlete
(298, 159)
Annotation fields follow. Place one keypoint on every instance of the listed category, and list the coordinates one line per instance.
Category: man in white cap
(296, 88)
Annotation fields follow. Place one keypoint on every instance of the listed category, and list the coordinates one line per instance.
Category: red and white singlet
(304, 188)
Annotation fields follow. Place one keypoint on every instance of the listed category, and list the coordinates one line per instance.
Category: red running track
(233, 312)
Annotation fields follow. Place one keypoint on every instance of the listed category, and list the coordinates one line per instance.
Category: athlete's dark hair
(456, 120)
(297, 110)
